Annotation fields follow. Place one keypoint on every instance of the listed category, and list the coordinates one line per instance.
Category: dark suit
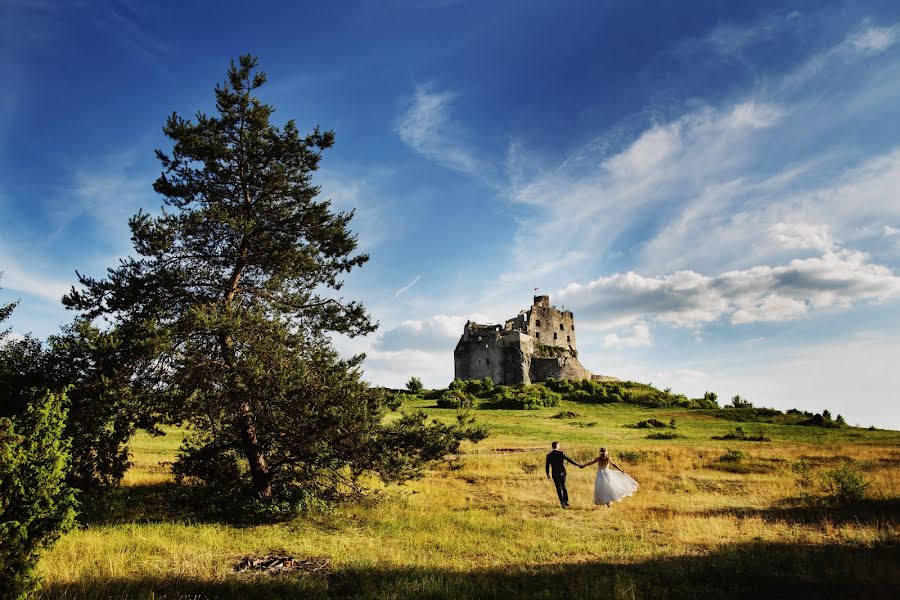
(556, 466)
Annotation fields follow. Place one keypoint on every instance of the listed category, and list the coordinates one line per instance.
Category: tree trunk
(259, 468)
(256, 456)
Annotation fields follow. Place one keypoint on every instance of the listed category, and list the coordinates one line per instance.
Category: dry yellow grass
(493, 529)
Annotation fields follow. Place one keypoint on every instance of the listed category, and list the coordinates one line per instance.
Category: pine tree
(36, 506)
(236, 291)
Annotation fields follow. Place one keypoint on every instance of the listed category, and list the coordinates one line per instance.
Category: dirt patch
(278, 564)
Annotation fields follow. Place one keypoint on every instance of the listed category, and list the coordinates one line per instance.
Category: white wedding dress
(612, 485)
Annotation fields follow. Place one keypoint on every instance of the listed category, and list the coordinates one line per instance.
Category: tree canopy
(235, 291)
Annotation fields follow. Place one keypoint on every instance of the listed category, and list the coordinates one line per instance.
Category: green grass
(698, 527)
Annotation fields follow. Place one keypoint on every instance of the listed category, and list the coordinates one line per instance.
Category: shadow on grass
(755, 570)
(163, 502)
(863, 512)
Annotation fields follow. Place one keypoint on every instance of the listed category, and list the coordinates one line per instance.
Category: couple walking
(610, 486)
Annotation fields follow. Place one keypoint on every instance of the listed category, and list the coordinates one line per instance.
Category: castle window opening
(538, 335)
(562, 327)
(538, 323)
(573, 326)
(568, 338)
(554, 335)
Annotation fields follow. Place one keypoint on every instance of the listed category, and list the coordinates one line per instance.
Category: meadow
(487, 524)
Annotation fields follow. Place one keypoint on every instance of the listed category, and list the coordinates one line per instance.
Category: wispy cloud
(426, 127)
(732, 40)
(372, 218)
(700, 191)
(689, 374)
(866, 40)
(35, 280)
(406, 287)
(586, 204)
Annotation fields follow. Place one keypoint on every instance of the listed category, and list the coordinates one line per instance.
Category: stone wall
(562, 367)
(487, 351)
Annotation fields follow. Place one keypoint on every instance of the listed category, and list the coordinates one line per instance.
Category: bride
(611, 486)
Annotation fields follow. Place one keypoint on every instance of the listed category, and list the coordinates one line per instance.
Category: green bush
(825, 420)
(530, 397)
(455, 398)
(732, 456)
(650, 424)
(565, 414)
(739, 403)
(736, 461)
(739, 434)
(632, 456)
(844, 485)
(414, 385)
(663, 435)
(36, 506)
(481, 388)
(709, 400)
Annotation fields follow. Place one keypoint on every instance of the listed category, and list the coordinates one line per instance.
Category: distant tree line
(483, 393)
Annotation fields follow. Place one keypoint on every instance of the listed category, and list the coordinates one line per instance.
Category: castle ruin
(537, 344)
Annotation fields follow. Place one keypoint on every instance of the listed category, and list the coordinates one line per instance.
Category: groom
(556, 463)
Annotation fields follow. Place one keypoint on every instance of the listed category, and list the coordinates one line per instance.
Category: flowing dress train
(612, 485)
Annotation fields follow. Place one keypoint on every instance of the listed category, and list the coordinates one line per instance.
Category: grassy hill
(712, 518)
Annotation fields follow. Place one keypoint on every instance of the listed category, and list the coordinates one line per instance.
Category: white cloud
(639, 337)
(874, 40)
(770, 308)
(439, 332)
(689, 375)
(426, 127)
(763, 293)
(802, 236)
(649, 152)
(890, 231)
(800, 208)
(35, 280)
(585, 205)
(696, 191)
(406, 287)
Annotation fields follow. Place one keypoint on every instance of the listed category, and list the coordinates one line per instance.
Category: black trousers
(559, 479)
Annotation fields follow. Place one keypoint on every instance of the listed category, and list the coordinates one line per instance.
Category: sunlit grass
(492, 528)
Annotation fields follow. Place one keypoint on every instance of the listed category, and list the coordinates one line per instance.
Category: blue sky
(713, 188)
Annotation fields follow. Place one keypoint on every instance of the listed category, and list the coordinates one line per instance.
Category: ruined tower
(537, 344)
